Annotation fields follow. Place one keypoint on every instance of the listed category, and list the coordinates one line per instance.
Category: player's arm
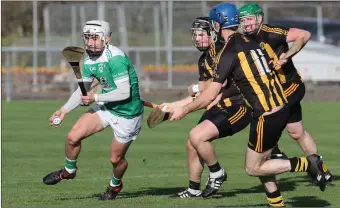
(203, 80)
(179, 103)
(299, 38)
(221, 72)
(120, 75)
(75, 99)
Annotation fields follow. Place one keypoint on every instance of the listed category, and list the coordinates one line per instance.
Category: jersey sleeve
(278, 34)
(87, 75)
(119, 68)
(223, 67)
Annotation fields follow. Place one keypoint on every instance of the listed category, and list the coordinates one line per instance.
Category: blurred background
(156, 36)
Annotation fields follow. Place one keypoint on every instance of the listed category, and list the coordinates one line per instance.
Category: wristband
(195, 88)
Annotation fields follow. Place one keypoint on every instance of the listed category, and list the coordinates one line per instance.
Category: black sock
(299, 164)
(214, 168)
(275, 199)
(194, 185)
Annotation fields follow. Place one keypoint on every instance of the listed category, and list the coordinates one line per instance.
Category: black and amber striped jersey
(246, 64)
(274, 41)
(230, 93)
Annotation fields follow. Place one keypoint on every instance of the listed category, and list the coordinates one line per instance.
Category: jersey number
(260, 61)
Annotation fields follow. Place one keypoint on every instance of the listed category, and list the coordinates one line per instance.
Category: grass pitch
(157, 163)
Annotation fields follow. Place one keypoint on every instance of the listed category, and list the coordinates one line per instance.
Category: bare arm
(182, 102)
(299, 38)
(205, 98)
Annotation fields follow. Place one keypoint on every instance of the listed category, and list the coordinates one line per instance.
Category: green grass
(157, 163)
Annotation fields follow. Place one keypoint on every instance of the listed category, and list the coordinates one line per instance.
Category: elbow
(307, 36)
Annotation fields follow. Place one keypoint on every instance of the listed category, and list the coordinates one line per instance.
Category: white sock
(112, 185)
(193, 191)
(70, 170)
(217, 174)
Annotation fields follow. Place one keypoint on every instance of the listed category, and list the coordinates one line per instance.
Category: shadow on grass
(285, 185)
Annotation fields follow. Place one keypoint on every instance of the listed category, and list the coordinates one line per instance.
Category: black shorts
(295, 94)
(229, 120)
(265, 131)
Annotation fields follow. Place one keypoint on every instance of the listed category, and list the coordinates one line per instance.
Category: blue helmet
(225, 14)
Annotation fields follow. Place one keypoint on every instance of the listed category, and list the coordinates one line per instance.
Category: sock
(215, 170)
(71, 165)
(214, 167)
(298, 164)
(115, 181)
(194, 185)
(275, 199)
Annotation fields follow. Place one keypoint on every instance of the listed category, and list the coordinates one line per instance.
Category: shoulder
(232, 46)
(114, 52)
(274, 29)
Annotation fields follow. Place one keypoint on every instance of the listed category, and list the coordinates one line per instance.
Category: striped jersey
(230, 93)
(274, 41)
(246, 64)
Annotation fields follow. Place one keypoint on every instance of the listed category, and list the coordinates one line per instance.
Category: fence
(155, 35)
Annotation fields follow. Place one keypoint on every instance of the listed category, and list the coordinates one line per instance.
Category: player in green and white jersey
(118, 105)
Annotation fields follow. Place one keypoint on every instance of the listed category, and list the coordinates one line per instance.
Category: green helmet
(249, 10)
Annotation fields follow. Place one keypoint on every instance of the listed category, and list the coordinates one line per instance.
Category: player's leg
(89, 123)
(201, 136)
(125, 131)
(297, 132)
(195, 169)
(296, 129)
(227, 122)
(273, 194)
(265, 132)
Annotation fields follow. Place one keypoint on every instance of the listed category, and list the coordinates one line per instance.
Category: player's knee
(296, 133)
(252, 170)
(295, 130)
(73, 138)
(194, 138)
(116, 160)
(189, 146)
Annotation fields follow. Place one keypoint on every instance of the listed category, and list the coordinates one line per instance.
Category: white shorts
(124, 130)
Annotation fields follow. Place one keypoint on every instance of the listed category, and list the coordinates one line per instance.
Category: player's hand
(166, 107)
(59, 113)
(178, 113)
(87, 99)
(282, 61)
(215, 102)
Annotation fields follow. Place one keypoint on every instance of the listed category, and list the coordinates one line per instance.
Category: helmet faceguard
(251, 18)
(96, 36)
(202, 33)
